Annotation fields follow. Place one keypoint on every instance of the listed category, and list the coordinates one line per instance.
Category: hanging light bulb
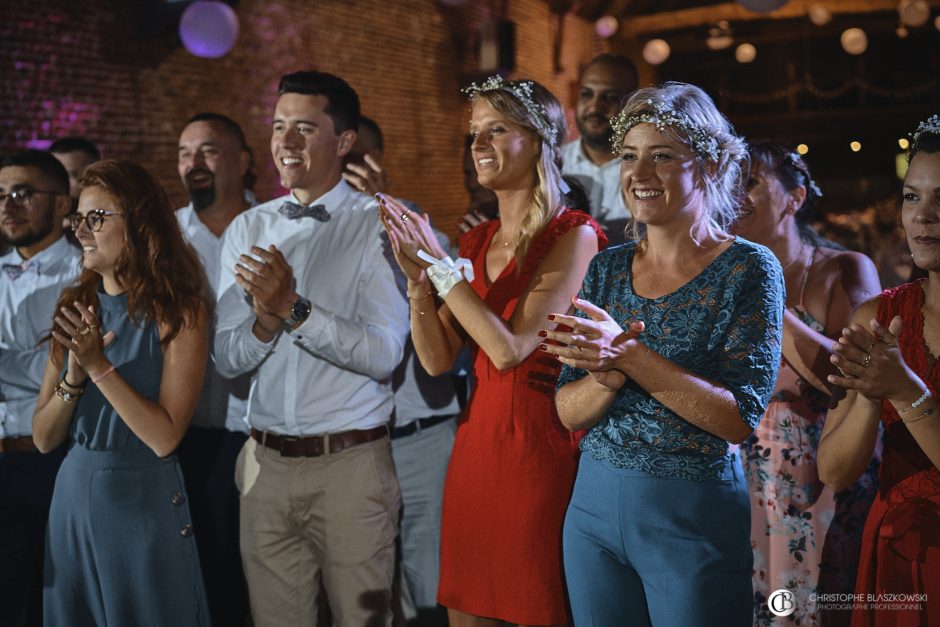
(606, 26)
(914, 13)
(719, 36)
(854, 41)
(656, 51)
(819, 15)
(745, 53)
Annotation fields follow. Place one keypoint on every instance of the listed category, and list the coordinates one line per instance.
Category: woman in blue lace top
(658, 525)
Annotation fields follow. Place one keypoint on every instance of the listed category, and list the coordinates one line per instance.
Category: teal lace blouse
(725, 325)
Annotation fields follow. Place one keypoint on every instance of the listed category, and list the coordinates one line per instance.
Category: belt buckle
(284, 439)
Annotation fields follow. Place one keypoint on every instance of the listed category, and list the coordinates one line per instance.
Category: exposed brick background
(97, 68)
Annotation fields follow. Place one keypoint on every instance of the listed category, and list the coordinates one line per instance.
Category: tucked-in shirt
(27, 304)
(223, 402)
(417, 393)
(332, 373)
(724, 325)
(602, 185)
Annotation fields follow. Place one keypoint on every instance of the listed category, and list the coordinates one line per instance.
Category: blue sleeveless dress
(120, 548)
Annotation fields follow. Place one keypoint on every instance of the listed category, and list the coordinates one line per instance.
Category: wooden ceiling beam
(632, 27)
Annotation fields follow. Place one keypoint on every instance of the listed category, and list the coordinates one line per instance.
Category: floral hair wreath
(701, 141)
(797, 162)
(931, 126)
(521, 91)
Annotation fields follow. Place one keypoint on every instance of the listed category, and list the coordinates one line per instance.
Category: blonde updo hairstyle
(547, 196)
(720, 172)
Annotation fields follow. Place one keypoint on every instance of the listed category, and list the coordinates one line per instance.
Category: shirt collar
(332, 200)
(47, 257)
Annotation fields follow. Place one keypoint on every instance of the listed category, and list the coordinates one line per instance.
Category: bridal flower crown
(701, 141)
(521, 91)
(931, 125)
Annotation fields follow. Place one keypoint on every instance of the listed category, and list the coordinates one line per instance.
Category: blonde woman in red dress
(513, 465)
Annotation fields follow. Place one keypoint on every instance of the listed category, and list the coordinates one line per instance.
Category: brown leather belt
(316, 445)
(22, 444)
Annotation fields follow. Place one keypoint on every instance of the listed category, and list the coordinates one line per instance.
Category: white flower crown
(521, 91)
(701, 141)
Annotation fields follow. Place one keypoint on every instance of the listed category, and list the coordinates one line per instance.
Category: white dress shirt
(223, 403)
(602, 184)
(27, 304)
(332, 373)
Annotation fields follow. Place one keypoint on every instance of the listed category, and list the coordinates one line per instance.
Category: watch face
(300, 310)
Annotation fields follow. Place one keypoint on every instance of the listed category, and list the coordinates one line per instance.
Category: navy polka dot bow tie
(294, 211)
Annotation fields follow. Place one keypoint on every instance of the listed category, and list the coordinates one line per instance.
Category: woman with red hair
(124, 374)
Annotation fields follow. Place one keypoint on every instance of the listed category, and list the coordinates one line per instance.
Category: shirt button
(178, 499)
(187, 530)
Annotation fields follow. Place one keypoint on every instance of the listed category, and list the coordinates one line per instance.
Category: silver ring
(404, 217)
(85, 330)
(870, 346)
(867, 361)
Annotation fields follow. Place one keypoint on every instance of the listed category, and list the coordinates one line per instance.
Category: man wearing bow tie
(214, 164)
(309, 300)
(34, 200)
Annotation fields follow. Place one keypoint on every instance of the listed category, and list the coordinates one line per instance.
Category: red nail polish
(543, 333)
(543, 347)
(551, 317)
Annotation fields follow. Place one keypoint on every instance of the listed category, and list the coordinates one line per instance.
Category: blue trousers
(644, 550)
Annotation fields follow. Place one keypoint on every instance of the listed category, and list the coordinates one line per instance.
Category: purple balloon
(209, 28)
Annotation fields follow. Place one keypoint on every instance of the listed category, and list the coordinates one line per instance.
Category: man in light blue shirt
(310, 301)
(34, 199)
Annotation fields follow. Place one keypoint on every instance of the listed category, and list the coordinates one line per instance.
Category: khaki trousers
(303, 518)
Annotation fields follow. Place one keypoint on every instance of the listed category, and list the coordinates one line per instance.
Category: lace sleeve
(749, 354)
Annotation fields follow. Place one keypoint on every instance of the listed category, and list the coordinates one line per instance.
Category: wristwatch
(299, 312)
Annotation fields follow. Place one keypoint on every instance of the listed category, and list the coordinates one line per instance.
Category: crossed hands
(269, 280)
(598, 344)
(871, 363)
(79, 333)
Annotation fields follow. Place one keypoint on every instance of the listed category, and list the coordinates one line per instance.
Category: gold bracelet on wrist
(420, 296)
(924, 413)
(66, 396)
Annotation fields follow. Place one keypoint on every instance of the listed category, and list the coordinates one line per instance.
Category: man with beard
(76, 154)
(215, 167)
(605, 81)
(34, 200)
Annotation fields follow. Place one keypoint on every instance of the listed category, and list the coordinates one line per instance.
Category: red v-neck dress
(512, 468)
(901, 542)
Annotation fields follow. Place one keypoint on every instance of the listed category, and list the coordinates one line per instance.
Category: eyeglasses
(21, 197)
(94, 219)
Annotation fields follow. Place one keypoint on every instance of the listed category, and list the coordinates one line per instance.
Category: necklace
(798, 256)
(497, 240)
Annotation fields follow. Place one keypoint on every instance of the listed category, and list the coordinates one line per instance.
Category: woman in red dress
(513, 464)
(888, 359)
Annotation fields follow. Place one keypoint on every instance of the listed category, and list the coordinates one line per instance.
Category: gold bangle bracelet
(419, 296)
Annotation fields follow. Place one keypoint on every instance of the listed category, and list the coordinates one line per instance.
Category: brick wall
(106, 70)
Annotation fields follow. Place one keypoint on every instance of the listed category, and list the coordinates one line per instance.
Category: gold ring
(867, 361)
(870, 346)
(85, 330)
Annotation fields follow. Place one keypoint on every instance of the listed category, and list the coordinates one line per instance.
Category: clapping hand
(871, 362)
(596, 344)
(78, 331)
(409, 232)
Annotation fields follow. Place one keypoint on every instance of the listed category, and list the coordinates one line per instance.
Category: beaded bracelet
(923, 414)
(66, 396)
(917, 403)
